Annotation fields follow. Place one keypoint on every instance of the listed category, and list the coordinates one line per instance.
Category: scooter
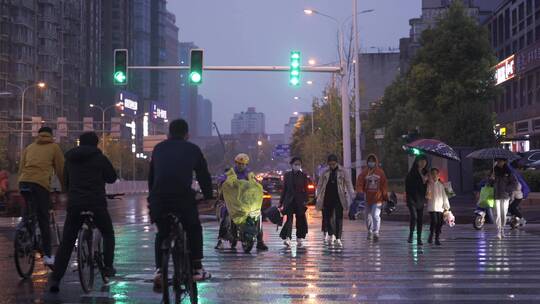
(246, 232)
(481, 216)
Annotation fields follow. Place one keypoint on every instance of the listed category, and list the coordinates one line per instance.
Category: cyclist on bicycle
(86, 172)
(169, 182)
(38, 163)
(242, 172)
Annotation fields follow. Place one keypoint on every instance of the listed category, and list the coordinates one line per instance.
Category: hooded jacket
(40, 160)
(345, 188)
(373, 183)
(86, 172)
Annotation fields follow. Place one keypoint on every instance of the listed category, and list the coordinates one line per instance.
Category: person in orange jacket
(373, 183)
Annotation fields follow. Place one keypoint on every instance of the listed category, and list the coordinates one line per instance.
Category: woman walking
(437, 204)
(504, 185)
(334, 192)
(416, 188)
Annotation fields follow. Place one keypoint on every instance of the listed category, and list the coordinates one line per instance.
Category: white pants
(500, 209)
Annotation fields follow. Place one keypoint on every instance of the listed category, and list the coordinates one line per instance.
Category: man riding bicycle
(38, 163)
(242, 173)
(169, 182)
(86, 172)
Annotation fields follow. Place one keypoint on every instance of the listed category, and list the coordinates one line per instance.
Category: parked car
(272, 183)
(529, 160)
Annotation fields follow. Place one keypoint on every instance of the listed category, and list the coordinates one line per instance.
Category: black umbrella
(493, 153)
(433, 147)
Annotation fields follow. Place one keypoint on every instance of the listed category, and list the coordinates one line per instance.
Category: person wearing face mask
(334, 192)
(416, 190)
(293, 202)
(373, 183)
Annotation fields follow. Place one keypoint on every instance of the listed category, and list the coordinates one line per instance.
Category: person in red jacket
(372, 182)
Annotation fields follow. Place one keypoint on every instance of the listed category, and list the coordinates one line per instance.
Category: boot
(261, 246)
(409, 240)
(437, 242)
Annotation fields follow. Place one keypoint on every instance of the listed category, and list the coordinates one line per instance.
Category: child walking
(437, 204)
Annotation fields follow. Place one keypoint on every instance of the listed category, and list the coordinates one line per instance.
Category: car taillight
(267, 196)
(311, 187)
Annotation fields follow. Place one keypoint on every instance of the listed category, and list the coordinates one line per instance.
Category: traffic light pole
(247, 68)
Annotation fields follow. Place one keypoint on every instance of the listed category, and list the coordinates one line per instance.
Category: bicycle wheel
(165, 276)
(177, 277)
(85, 260)
(24, 254)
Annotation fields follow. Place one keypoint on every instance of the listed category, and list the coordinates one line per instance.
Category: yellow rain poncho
(242, 197)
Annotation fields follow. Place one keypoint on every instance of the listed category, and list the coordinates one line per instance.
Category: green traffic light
(416, 151)
(195, 77)
(294, 81)
(120, 77)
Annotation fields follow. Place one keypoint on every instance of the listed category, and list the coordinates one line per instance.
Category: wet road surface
(470, 267)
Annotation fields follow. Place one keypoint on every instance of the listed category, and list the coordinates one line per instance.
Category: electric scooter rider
(242, 172)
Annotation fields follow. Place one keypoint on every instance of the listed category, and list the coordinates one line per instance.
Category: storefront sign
(505, 70)
(528, 59)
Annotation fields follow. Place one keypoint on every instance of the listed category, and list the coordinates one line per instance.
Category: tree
(445, 94)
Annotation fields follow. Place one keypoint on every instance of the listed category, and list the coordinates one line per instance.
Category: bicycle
(28, 241)
(176, 248)
(90, 250)
(89, 253)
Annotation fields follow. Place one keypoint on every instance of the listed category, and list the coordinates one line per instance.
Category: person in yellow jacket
(39, 161)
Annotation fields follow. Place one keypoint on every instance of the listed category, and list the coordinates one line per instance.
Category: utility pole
(357, 120)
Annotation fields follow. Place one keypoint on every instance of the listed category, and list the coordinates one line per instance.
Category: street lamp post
(103, 110)
(23, 91)
(345, 104)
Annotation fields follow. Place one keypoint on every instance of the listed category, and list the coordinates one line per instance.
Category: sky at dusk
(263, 32)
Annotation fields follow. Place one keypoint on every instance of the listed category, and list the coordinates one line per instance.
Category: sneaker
(157, 281)
(53, 285)
(522, 222)
(261, 246)
(499, 236)
(287, 242)
(109, 272)
(219, 245)
(48, 260)
(201, 275)
(338, 243)
(299, 243)
(326, 238)
(369, 236)
(419, 242)
(375, 237)
(332, 239)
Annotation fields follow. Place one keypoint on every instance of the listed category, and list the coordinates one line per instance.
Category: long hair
(414, 167)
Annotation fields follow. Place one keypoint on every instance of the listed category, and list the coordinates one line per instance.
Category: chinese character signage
(158, 112)
(528, 59)
(505, 70)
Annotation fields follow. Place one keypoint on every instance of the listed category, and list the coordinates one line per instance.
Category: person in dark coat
(169, 184)
(416, 189)
(504, 184)
(293, 202)
(85, 174)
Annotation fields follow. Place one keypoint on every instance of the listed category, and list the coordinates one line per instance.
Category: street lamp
(309, 82)
(312, 61)
(23, 91)
(345, 110)
(103, 110)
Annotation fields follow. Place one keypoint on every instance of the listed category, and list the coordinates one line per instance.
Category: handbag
(487, 197)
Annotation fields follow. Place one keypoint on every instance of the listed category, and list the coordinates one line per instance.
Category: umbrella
(433, 147)
(493, 153)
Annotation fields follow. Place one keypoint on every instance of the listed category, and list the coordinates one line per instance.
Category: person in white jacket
(437, 204)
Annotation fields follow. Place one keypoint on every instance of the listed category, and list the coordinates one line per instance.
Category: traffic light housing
(120, 67)
(294, 69)
(196, 67)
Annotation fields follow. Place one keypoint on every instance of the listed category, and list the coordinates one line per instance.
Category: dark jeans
(40, 200)
(73, 224)
(514, 208)
(416, 219)
(436, 224)
(333, 218)
(301, 223)
(188, 215)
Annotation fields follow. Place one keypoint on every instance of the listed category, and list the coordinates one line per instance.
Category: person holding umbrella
(416, 190)
(504, 185)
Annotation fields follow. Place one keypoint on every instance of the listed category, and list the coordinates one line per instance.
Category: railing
(128, 187)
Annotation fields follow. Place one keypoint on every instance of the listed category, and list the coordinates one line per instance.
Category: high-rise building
(249, 122)
(514, 32)
(188, 93)
(171, 84)
(140, 80)
(432, 10)
(377, 71)
(204, 117)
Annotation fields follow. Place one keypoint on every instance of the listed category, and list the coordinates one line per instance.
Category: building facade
(377, 71)
(204, 117)
(249, 122)
(515, 37)
(171, 82)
